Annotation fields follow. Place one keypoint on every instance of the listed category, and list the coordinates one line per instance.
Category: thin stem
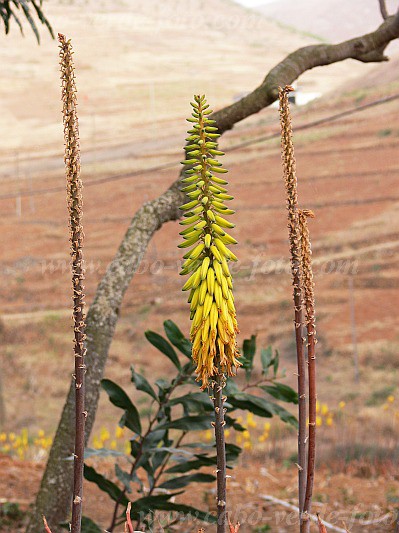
(218, 402)
(74, 196)
(289, 166)
(162, 469)
(308, 289)
(180, 378)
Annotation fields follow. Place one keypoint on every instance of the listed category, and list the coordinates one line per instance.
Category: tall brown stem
(74, 196)
(308, 290)
(218, 402)
(289, 166)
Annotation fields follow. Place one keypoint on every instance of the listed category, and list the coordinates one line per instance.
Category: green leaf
(194, 401)
(285, 415)
(119, 398)
(163, 346)
(281, 392)
(266, 359)
(161, 503)
(254, 404)
(105, 485)
(232, 422)
(101, 452)
(249, 349)
(194, 464)
(276, 362)
(142, 383)
(183, 481)
(232, 451)
(177, 338)
(261, 407)
(124, 477)
(188, 423)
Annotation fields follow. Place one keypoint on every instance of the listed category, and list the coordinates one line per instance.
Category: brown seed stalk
(289, 168)
(74, 197)
(309, 304)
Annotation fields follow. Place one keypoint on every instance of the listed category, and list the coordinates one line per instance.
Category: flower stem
(218, 402)
(74, 197)
(308, 289)
(289, 165)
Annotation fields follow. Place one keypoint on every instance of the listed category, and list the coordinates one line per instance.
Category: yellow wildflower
(341, 404)
(119, 432)
(266, 426)
(97, 444)
(319, 421)
(104, 434)
(251, 423)
(324, 409)
(390, 398)
(208, 434)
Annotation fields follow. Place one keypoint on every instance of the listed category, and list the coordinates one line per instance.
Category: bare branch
(367, 48)
(53, 499)
(383, 9)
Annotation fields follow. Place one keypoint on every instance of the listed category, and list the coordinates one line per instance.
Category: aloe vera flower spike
(214, 323)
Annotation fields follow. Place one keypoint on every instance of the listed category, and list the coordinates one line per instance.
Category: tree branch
(383, 9)
(53, 499)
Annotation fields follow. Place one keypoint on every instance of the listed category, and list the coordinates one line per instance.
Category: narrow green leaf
(124, 477)
(266, 359)
(282, 392)
(183, 481)
(119, 398)
(188, 423)
(163, 346)
(194, 401)
(142, 384)
(105, 485)
(249, 347)
(177, 338)
(194, 464)
(101, 452)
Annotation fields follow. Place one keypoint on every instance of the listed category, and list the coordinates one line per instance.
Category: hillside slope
(331, 20)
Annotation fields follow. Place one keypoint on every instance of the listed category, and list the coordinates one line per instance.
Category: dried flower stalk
(289, 167)
(128, 523)
(74, 196)
(46, 528)
(309, 304)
